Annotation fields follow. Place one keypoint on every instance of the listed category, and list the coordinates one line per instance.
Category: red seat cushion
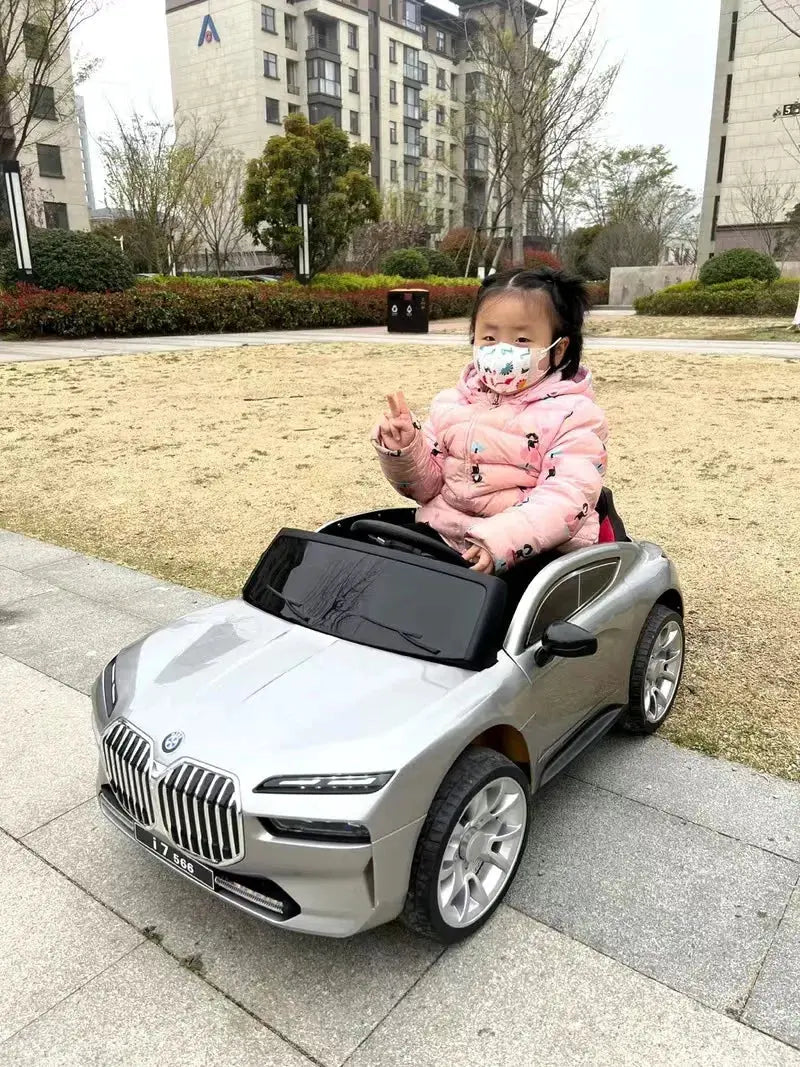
(607, 536)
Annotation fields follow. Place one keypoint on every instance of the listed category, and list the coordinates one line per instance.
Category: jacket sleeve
(564, 497)
(416, 471)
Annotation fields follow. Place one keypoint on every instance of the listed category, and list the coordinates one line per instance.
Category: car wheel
(470, 846)
(656, 672)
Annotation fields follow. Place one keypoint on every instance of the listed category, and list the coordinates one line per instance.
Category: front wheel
(470, 846)
(656, 672)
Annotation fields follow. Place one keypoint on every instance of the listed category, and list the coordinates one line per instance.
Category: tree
(788, 17)
(403, 223)
(577, 249)
(762, 203)
(535, 99)
(623, 244)
(37, 80)
(319, 164)
(214, 196)
(151, 166)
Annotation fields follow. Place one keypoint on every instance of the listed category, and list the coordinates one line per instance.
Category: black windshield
(378, 598)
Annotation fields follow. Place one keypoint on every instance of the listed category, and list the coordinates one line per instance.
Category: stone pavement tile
(774, 1005)
(687, 906)
(164, 602)
(728, 797)
(520, 995)
(16, 585)
(324, 995)
(20, 553)
(95, 578)
(47, 755)
(53, 938)
(147, 1010)
(67, 636)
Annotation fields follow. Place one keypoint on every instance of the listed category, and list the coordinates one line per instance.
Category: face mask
(508, 369)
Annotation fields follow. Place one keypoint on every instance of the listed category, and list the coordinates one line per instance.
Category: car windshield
(407, 605)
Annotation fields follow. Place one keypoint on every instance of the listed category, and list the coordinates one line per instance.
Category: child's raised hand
(397, 426)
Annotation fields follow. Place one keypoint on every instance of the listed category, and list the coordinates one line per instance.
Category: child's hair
(568, 295)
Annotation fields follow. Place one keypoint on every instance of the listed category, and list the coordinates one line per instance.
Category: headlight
(347, 833)
(110, 686)
(325, 783)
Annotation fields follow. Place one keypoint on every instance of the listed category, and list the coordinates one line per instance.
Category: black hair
(568, 295)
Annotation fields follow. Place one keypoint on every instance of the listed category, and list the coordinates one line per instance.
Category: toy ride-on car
(358, 737)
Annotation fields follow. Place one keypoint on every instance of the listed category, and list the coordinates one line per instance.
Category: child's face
(524, 319)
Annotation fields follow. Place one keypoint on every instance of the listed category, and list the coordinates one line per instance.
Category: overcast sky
(663, 94)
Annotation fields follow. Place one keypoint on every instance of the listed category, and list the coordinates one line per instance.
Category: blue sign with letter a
(208, 32)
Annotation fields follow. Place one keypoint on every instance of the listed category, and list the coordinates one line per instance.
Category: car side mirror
(565, 641)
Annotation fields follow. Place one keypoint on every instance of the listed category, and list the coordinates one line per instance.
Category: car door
(564, 692)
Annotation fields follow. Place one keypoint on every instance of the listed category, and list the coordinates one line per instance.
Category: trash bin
(408, 311)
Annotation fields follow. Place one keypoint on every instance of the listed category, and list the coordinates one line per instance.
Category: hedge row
(183, 308)
(740, 297)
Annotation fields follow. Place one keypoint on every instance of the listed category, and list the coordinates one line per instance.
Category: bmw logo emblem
(171, 741)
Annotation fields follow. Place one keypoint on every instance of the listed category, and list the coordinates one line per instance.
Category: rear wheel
(470, 846)
(656, 672)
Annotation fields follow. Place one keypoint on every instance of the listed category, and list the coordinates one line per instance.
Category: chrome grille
(128, 755)
(201, 813)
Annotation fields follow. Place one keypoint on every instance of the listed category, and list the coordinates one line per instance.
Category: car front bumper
(311, 886)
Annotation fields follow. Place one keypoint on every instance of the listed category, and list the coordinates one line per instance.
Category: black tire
(471, 772)
(634, 720)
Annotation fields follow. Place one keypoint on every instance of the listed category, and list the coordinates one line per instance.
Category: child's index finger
(402, 403)
(391, 400)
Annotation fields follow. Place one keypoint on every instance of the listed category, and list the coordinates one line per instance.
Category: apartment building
(392, 73)
(52, 154)
(753, 168)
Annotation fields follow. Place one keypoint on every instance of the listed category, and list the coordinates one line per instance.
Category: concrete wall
(627, 283)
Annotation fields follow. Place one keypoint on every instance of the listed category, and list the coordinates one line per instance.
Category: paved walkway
(31, 351)
(656, 919)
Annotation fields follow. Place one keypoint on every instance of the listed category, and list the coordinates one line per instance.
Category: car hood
(239, 682)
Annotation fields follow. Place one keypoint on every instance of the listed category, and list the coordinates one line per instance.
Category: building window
(293, 76)
(352, 36)
(734, 29)
(454, 87)
(453, 154)
(423, 111)
(453, 190)
(440, 218)
(423, 182)
(423, 146)
(721, 165)
(452, 216)
(294, 109)
(440, 184)
(411, 64)
(273, 111)
(270, 65)
(392, 133)
(392, 92)
(411, 176)
(715, 218)
(43, 102)
(423, 73)
(373, 61)
(441, 79)
(55, 216)
(411, 141)
(392, 51)
(440, 116)
(324, 76)
(353, 80)
(355, 124)
(440, 151)
(392, 170)
(290, 31)
(728, 89)
(411, 105)
(453, 118)
(35, 38)
(49, 161)
(373, 104)
(268, 19)
(319, 112)
(440, 41)
(412, 15)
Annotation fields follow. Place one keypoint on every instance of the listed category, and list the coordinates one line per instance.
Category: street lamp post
(15, 200)
(303, 257)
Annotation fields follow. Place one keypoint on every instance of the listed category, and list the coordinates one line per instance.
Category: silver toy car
(358, 737)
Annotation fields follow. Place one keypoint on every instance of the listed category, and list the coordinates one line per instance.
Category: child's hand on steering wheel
(480, 559)
(397, 427)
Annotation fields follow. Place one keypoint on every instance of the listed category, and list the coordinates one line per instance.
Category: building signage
(208, 32)
(792, 109)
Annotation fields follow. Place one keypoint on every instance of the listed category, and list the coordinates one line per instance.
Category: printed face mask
(508, 369)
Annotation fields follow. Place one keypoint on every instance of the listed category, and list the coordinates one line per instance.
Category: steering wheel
(388, 535)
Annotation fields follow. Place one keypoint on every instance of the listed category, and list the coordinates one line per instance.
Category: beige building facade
(753, 168)
(391, 73)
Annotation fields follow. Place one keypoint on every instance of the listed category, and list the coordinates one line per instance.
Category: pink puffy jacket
(517, 474)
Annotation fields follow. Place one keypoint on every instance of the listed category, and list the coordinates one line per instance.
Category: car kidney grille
(201, 812)
(128, 755)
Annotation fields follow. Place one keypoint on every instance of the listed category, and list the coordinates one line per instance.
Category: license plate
(175, 858)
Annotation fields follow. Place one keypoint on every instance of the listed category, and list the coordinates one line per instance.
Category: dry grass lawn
(184, 465)
(706, 328)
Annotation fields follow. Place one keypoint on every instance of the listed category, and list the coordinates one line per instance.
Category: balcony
(325, 87)
(327, 42)
(411, 150)
(412, 71)
(412, 111)
(293, 88)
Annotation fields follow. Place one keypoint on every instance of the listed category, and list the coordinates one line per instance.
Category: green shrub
(353, 283)
(730, 298)
(407, 262)
(439, 263)
(72, 259)
(598, 293)
(738, 263)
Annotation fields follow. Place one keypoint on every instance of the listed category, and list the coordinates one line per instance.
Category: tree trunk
(516, 158)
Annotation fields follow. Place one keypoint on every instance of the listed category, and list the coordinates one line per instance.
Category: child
(510, 464)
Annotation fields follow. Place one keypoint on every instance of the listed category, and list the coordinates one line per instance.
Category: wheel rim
(663, 672)
(482, 852)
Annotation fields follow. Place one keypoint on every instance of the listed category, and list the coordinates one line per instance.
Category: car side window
(561, 602)
(596, 579)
